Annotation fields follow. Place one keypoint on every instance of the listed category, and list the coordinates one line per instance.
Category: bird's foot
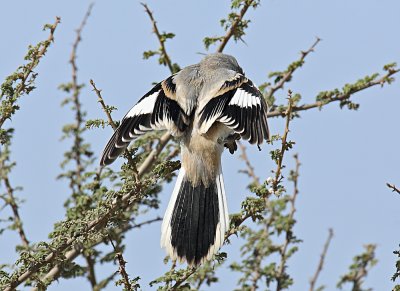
(230, 142)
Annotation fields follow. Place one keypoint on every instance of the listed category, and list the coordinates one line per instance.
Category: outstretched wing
(156, 110)
(239, 105)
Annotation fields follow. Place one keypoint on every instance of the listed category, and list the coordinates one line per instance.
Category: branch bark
(103, 105)
(313, 281)
(232, 29)
(289, 73)
(393, 187)
(288, 238)
(159, 37)
(15, 209)
(29, 68)
(283, 149)
(319, 104)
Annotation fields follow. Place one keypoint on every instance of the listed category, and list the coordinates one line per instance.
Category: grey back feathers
(215, 90)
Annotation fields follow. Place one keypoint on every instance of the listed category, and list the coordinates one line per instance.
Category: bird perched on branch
(207, 106)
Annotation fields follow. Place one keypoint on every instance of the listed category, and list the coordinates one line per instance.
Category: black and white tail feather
(196, 219)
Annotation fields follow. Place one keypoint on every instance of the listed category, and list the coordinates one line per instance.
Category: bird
(207, 107)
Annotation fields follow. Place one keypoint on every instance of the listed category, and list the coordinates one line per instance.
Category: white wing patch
(244, 99)
(241, 107)
(145, 106)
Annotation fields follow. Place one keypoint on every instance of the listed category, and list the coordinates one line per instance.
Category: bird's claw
(230, 142)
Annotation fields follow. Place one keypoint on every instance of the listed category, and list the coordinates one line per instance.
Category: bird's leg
(230, 142)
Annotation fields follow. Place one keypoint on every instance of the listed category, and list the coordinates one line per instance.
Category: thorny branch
(393, 187)
(121, 262)
(75, 99)
(234, 25)
(103, 105)
(150, 221)
(314, 279)
(284, 147)
(91, 272)
(340, 97)
(26, 76)
(124, 202)
(250, 169)
(283, 251)
(14, 206)
(289, 73)
(359, 269)
(160, 38)
(114, 126)
(28, 69)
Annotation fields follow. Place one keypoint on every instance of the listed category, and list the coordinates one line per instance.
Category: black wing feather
(156, 110)
(242, 108)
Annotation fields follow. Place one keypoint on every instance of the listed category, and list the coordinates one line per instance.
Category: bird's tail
(196, 220)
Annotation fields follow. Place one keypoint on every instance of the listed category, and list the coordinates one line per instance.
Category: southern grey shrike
(206, 106)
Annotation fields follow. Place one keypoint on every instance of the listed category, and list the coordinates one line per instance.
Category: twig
(284, 146)
(341, 97)
(76, 101)
(256, 272)
(321, 260)
(103, 105)
(159, 37)
(28, 69)
(232, 29)
(91, 272)
(14, 207)
(56, 270)
(150, 221)
(288, 75)
(250, 169)
(393, 187)
(283, 252)
(25, 76)
(184, 278)
(152, 157)
(121, 269)
(359, 269)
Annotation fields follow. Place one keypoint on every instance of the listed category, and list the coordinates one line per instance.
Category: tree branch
(313, 281)
(393, 187)
(284, 147)
(250, 169)
(103, 105)
(124, 202)
(152, 157)
(14, 207)
(287, 76)
(234, 25)
(150, 221)
(289, 235)
(122, 263)
(91, 276)
(160, 38)
(339, 97)
(27, 71)
(77, 104)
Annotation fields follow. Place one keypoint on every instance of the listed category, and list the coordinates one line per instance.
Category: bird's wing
(239, 105)
(156, 110)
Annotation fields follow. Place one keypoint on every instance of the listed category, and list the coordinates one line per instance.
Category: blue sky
(347, 157)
